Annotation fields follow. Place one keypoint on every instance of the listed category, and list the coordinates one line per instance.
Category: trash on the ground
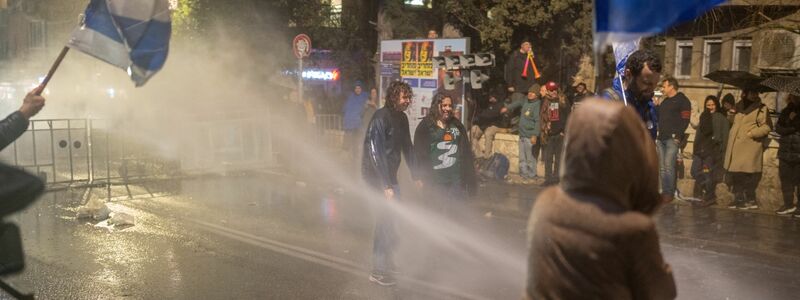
(488, 215)
(339, 191)
(95, 209)
(121, 219)
(300, 183)
(104, 225)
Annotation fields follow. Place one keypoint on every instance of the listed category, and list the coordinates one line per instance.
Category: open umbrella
(740, 79)
(786, 84)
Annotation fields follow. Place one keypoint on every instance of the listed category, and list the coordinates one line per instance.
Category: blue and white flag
(621, 52)
(130, 34)
(628, 20)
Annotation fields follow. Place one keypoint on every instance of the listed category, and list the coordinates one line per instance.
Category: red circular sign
(301, 46)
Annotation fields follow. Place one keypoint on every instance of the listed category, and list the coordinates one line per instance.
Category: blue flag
(628, 20)
(621, 52)
(132, 35)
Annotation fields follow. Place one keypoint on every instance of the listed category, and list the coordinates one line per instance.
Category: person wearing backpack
(744, 153)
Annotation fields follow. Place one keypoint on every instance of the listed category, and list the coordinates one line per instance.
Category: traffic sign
(301, 46)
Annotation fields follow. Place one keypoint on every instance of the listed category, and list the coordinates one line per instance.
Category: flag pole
(52, 70)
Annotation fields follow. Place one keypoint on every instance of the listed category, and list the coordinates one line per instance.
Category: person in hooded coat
(593, 235)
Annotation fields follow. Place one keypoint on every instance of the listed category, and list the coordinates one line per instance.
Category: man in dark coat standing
(387, 137)
(593, 235)
(520, 71)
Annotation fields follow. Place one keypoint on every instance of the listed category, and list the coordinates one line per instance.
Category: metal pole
(88, 138)
(69, 148)
(300, 79)
(33, 135)
(52, 149)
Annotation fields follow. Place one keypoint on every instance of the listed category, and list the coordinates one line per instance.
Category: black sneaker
(383, 280)
(796, 214)
(741, 205)
(733, 205)
(785, 210)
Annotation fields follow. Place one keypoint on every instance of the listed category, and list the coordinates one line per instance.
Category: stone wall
(768, 193)
(769, 189)
(508, 145)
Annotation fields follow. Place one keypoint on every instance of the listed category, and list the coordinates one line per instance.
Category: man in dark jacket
(19, 188)
(789, 155)
(17, 122)
(519, 71)
(443, 155)
(593, 236)
(674, 113)
(387, 137)
(488, 122)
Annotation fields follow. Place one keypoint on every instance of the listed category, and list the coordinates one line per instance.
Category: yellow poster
(408, 64)
(417, 59)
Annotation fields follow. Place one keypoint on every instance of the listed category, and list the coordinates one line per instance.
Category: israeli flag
(130, 34)
(621, 52)
(629, 20)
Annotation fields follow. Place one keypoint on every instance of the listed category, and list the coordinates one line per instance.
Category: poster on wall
(412, 62)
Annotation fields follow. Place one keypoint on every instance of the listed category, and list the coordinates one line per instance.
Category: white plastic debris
(488, 215)
(121, 219)
(300, 183)
(95, 209)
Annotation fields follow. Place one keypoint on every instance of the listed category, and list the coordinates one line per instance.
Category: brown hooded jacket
(593, 236)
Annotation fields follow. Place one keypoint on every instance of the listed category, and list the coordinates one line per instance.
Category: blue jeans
(385, 237)
(527, 161)
(667, 155)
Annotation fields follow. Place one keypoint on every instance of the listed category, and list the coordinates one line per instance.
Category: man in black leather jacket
(387, 138)
(17, 122)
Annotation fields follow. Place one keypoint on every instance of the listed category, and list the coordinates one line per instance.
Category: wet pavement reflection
(271, 237)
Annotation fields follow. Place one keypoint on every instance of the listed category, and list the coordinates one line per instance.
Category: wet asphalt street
(270, 237)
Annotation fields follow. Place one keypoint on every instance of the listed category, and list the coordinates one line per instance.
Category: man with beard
(580, 93)
(443, 155)
(386, 138)
(642, 74)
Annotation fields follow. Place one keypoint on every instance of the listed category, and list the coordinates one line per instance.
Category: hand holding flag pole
(53, 69)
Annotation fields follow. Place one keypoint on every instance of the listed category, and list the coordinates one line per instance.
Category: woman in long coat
(744, 153)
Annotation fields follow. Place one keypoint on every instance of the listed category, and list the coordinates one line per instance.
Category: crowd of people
(611, 148)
